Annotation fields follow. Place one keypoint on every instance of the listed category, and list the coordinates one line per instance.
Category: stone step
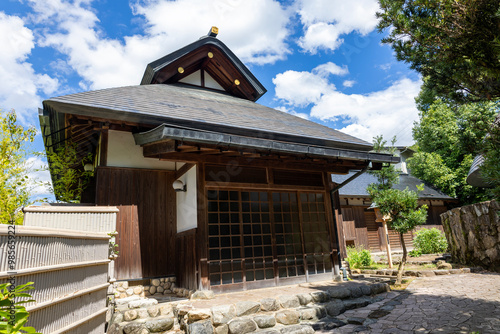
(277, 314)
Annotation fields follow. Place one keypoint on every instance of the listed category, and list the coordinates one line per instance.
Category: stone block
(288, 317)
(443, 265)
(320, 296)
(242, 326)
(223, 314)
(199, 314)
(466, 270)
(456, 271)
(297, 329)
(335, 307)
(135, 328)
(182, 310)
(312, 313)
(379, 288)
(146, 302)
(269, 304)
(355, 291)
(200, 327)
(158, 325)
(154, 311)
(246, 308)
(365, 289)
(159, 289)
(339, 292)
(304, 298)
(441, 272)
(130, 315)
(425, 273)
(265, 321)
(115, 328)
(152, 289)
(221, 329)
(155, 282)
(289, 301)
(166, 309)
(204, 294)
(142, 313)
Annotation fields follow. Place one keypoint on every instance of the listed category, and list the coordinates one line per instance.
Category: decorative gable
(206, 63)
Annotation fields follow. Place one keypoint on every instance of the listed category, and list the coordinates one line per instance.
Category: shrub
(415, 252)
(429, 241)
(13, 316)
(358, 257)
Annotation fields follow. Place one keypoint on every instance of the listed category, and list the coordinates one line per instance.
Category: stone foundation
(473, 234)
(282, 314)
(156, 287)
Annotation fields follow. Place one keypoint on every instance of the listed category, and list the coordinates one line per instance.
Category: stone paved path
(468, 303)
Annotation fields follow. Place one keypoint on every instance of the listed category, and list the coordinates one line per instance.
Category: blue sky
(318, 59)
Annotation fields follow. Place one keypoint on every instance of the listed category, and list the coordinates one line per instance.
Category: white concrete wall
(186, 202)
(123, 152)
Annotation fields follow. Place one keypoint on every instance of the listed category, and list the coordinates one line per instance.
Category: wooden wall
(186, 259)
(146, 223)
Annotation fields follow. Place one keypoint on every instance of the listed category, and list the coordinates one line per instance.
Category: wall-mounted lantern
(179, 186)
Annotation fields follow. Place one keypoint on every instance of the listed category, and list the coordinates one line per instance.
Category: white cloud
(303, 88)
(21, 85)
(325, 21)
(254, 30)
(330, 68)
(39, 177)
(388, 112)
(348, 83)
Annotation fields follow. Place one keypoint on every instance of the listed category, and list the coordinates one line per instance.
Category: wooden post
(387, 244)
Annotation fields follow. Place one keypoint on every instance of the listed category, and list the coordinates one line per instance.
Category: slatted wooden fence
(69, 265)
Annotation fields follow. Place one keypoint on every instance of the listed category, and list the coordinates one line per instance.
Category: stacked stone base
(284, 314)
(156, 287)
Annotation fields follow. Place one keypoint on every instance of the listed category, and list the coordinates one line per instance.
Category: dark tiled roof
(153, 68)
(200, 109)
(358, 186)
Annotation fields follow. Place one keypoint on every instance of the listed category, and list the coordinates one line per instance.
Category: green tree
(401, 206)
(69, 178)
(454, 44)
(15, 187)
(448, 137)
(491, 169)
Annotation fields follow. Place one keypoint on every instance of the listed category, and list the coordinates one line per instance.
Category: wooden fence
(69, 265)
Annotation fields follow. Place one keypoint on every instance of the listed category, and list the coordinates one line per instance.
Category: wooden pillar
(202, 229)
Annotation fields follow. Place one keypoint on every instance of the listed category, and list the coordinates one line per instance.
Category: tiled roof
(200, 109)
(358, 186)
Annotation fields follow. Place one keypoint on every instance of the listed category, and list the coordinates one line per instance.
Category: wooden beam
(103, 149)
(183, 170)
(155, 149)
(338, 167)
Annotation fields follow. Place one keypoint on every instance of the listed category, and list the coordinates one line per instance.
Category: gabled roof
(202, 110)
(211, 56)
(357, 188)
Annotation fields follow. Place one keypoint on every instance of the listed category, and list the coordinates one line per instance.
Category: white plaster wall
(186, 202)
(123, 152)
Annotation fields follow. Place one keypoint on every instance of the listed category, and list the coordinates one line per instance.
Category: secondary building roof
(357, 188)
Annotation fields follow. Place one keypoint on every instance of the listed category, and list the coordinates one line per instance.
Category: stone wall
(283, 314)
(473, 234)
(156, 287)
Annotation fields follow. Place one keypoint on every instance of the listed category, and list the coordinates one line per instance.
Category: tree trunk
(403, 260)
